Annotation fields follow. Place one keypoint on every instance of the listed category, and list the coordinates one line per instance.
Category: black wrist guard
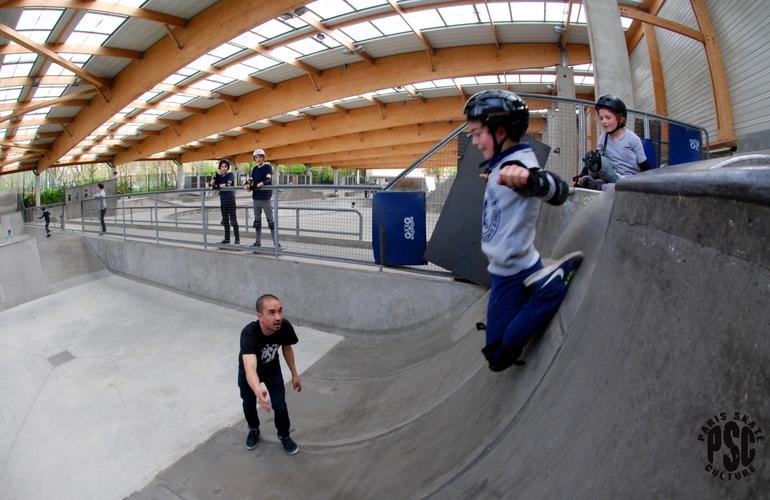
(546, 185)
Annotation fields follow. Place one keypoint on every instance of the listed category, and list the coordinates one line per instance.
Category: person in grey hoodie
(524, 295)
(101, 204)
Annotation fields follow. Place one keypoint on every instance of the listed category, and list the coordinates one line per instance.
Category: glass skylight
(326, 9)
(391, 25)
(12, 70)
(306, 46)
(38, 19)
(94, 28)
(528, 11)
(365, 4)
(461, 14)
(363, 31)
(225, 50)
(425, 19)
(48, 91)
(272, 28)
(248, 39)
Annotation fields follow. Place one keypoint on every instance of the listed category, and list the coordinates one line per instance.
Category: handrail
(424, 157)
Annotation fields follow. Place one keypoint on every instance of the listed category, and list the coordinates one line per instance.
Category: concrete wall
(359, 299)
(21, 276)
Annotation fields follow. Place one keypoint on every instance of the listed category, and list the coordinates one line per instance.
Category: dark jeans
(516, 314)
(229, 219)
(259, 207)
(102, 213)
(277, 391)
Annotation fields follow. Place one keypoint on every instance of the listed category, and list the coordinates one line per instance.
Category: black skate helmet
(616, 106)
(499, 108)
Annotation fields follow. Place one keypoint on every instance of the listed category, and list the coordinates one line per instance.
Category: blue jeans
(277, 391)
(515, 314)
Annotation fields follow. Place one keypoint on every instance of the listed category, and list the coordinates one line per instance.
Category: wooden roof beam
(41, 50)
(75, 49)
(428, 48)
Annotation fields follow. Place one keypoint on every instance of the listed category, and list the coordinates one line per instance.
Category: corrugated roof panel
(280, 73)
(237, 88)
(528, 33)
(106, 67)
(179, 8)
(175, 115)
(331, 59)
(64, 111)
(460, 35)
(203, 103)
(136, 34)
(396, 44)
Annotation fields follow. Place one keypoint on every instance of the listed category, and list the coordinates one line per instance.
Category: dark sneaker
(289, 445)
(237, 241)
(481, 326)
(252, 439)
(560, 271)
(224, 242)
(256, 244)
(504, 361)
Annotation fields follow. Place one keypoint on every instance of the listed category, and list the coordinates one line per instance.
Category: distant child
(101, 204)
(47, 216)
(524, 295)
(619, 151)
(9, 235)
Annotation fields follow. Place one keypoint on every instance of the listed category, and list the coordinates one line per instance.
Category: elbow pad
(544, 184)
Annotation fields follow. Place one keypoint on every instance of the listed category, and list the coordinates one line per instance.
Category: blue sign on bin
(398, 228)
(684, 144)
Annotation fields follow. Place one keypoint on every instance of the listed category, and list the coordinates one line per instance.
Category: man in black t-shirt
(258, 362)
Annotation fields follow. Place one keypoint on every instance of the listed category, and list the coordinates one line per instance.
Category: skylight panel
(528, 11)
(511, 78)
(221, 79)
(37, 36)
(306, 46)
(365, 4)
(147, 96)
(328, 41)
(126, 110)
(424, 85)
(38, 19)
(19, 58)
(271, 29)
(443, 82)
(206, 85)
(362, 31)
(578, 14)
(179, 99)
(583, 67)
(127, 3)
(88, 39)
(386, 91)
(39, 112)
(285, 53)
(589, 80)
(425, 19)
(27, 130)
(248, 39)
(329, 8)
(391, 25)
(466, 80)
(625, 22)
(12, 70)
(225, 50)
(525, 78)
(173, 79)
(547, 78)
(258, 62)
(93, 22)
(296, 22)
(48, 91)
(153, 112)
(500, 12)
(461, 14)
(555, 12)
(487, 79)
(204, 61)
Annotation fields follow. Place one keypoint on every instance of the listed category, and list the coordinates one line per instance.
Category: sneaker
(237, 241)
(224, 242)
(562, 270)
(252, 439)
(256, 244)
(504, 361)
(289, 445)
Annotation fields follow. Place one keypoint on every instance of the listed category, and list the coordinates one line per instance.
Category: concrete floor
(107, 383)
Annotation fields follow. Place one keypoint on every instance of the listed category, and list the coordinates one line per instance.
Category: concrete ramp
(661, 345)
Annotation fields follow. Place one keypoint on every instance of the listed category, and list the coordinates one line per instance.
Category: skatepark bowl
(118, 364)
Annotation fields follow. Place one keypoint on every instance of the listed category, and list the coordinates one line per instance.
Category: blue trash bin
(398, 228)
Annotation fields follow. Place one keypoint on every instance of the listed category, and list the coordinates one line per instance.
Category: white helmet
(258, 152)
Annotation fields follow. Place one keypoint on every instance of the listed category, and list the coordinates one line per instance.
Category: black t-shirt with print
(266, 348)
